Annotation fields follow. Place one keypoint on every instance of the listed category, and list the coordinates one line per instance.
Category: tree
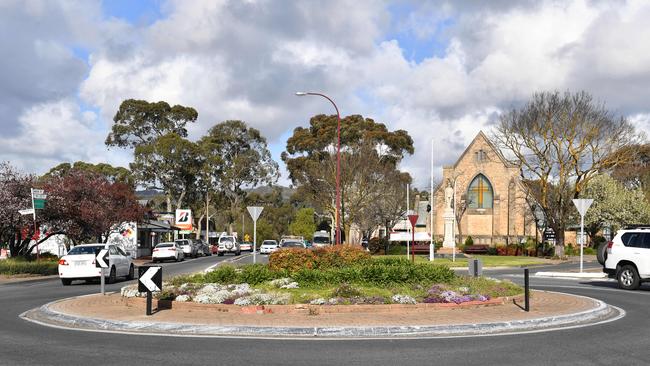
(303, 224)
(636, 172)
(86, 206)
(614, 205)
(365, 147)
(169, 163)
(16, 230)
(237, 157)
(560, 141)
(138, 122)
(113, 174)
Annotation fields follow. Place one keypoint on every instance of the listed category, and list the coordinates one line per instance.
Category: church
(487, 197)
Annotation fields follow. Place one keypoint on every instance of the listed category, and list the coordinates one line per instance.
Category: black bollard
(526, 291)
(149, 302)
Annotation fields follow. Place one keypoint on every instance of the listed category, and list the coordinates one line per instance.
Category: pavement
(624, 341)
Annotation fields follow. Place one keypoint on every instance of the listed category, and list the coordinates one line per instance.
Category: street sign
(413, 219)
(582, 205)
(150, 278)
(101, 259)
(255, 211)
(29, 211)
(39, 196)
(37, 191)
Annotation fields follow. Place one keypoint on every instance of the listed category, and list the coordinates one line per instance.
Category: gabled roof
(498, 153)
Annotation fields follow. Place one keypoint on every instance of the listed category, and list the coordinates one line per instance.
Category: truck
(322, 239)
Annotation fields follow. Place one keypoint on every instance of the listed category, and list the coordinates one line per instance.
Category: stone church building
(489, 197)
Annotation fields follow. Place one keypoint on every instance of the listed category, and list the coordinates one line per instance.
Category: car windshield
(85, 250)
(226, 238)
(269, 243)
(292, 244)
(321, 240)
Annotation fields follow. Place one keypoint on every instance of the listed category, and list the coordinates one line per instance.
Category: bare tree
(560, 141)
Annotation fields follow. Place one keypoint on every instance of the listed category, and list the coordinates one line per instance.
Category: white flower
(403, 299)
(182, 298)
(281, 282)
(319, 301)
(291, 285)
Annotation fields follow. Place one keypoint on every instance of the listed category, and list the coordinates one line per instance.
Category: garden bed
(20, 266)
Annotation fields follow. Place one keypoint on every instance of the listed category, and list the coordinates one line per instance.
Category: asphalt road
(623, 342)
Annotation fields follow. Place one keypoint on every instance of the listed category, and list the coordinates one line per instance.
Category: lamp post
(338, 162)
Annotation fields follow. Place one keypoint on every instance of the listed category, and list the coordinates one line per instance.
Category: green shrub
(469, 240)
(14, 266)
(346, 290)
(397, 249)
(255, 274)
(221, 274)
(295, 259)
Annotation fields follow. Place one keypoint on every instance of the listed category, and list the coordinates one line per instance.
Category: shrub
(469, 240)
(346, 290)
(255, 274)
(397, 249)
(14, 266)
(492, 251)
(375, 245)
(222, 274)
(337, 256)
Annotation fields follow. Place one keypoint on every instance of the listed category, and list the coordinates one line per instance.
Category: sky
(442, 70)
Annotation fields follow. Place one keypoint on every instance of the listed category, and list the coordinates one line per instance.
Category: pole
(102, 280)
(254, 241)
(207, 220)
(38, 254)
(453, 227)
(431, 246)
(582, 238)
(149, 312)
(412, 248)
(526, 291)
(408, 243)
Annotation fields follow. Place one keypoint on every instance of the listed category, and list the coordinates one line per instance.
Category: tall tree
(303, 224)
(169, 163)
(138, 122)
(636, 172)
(237, 157)
(560, 141)
(366, 147)
(112, 173)
(16, 230)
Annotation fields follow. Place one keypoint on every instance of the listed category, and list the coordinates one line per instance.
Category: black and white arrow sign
(101, 259)
(150, 279)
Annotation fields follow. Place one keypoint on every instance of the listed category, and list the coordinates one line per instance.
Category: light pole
(338, 162)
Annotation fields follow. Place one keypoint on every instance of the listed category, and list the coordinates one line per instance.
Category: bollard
(149, 296)
(475, 267)
(526, 291)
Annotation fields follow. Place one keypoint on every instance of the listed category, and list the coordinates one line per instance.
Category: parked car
(291, 238)
(167, 251)
(293, 244)
(79, 264)
(246, 246)
(268, 246)
(228, 244)
(189, 249)
(628, 257)
(204, 248)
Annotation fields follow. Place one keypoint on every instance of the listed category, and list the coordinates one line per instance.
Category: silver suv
(228, 244)
(628, 257)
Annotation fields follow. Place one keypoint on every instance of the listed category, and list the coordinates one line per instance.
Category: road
(625, 341)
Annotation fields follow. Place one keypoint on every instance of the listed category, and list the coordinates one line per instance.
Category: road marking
(233, 260)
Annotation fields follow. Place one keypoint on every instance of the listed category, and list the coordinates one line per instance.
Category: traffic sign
(149, 278)
(29, 211)
(582, 204)
(413, 219)
(37, 191)
(255, 211)
(101, 259)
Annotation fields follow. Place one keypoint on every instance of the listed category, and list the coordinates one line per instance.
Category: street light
(338, 162)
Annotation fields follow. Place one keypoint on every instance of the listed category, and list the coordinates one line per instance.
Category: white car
(268, 246)
(628, 257)
(168, 251)
(79, 264)
(228, 244)
(189, 250)
(246, 246)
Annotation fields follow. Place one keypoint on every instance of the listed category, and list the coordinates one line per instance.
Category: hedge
(14, 267)
(336, 256)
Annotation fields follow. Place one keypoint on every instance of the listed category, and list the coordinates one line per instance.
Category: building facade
(490, 200)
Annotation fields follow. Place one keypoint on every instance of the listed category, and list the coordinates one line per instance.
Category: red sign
(413, 219)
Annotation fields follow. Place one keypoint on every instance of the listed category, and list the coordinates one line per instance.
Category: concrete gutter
(571, 274)
(601, 312)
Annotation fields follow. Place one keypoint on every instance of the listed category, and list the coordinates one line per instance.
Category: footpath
(113, 313)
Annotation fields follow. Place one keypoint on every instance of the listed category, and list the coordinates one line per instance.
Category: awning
(406, 236)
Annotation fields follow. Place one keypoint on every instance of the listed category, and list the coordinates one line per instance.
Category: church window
(480, 156)
(479, 194)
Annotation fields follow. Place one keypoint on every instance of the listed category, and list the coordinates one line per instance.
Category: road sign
(37, 191)
(582, 205)
(101, 259)
(29, 211)
(39, 196)
(150, 278)
(255, 211)
(413, 219)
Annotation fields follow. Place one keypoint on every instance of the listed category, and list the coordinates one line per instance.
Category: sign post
(413, 219)
(101, 261)
(255, 212)
(38, 202)
(149, 280)
(582, 205)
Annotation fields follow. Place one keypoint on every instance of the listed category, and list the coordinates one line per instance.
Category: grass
(17, 266)
(488, 260)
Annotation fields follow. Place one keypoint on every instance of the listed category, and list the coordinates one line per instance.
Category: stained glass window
(479, 194)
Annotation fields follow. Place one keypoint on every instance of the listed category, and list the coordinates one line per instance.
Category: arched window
(479, 193)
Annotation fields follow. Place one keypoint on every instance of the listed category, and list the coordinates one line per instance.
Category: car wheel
(238, 252)
(601, 254)
(111, 276)
(628, 277)
(66, 281)
(220, 254)
(131, 274)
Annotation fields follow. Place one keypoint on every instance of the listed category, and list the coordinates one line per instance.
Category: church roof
(496, 150)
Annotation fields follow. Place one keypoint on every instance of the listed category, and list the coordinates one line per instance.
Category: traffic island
(115, 313)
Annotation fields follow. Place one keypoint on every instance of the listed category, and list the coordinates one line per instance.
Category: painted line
(233, 260)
